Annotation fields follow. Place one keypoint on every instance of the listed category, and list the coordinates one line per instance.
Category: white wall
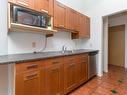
(3, 27)
(120, 20)
(3, 79)
(3, 47)
(22, 42)
(96, 9)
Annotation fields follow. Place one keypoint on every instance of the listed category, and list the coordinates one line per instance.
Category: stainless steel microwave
(26, 16)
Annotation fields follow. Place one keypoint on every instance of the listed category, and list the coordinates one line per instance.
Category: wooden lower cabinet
(70, 74)
(55, 76)
(43, 81)
(28, 83)
(82, 70)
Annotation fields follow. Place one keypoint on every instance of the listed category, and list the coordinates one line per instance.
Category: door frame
(105, 45)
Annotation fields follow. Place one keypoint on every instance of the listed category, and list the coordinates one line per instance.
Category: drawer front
(29, 66)
(71, 59)
(53, 61)
(31, 75)
(84, 57)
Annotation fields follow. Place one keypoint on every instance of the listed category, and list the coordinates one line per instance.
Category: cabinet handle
(71, 60)
(29, 77)
(55, 62)
(71, 65)
(55, 69)
(84, 62)
(22, 3)
(61, 26)
(32, 66)
(44, 11)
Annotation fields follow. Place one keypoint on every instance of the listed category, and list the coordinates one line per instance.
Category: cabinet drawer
(84, 58)
(71, 59)
(28, 66)
(31, 75)
(53, 61)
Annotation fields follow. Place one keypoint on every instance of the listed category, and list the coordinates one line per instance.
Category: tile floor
(112, 83)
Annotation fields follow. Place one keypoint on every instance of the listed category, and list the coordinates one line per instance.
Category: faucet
(64, 48)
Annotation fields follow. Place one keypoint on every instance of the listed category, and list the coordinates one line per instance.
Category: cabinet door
(54, 80)
(82, 72)
(70, 19)
(82, 27)
(43, 81)
(28, 83)
(87, 26)
(26, 3)
(44, 6)
(59, 15)
(70, 72)
(77, 21)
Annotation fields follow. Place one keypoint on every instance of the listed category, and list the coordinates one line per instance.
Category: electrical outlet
(33, 44)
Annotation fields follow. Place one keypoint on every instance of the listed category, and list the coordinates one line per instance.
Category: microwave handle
(22, 3)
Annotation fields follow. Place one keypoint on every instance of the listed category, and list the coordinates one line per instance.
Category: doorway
(116, 45)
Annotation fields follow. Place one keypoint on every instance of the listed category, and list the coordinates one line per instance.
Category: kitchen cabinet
(59, 15)
(45, 6)
(77, 21)
(43, 79)
(26, 3)
(72, 19)
(64, 18)
(84, 28)
(28, 78)
(54, 77)
(82, 32)
(82, 69)
(28, 83)
(87, 27)
(70, 74)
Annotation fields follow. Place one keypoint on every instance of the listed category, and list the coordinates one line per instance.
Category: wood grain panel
(117, 45)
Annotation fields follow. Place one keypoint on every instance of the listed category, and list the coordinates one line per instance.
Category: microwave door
(28, 17)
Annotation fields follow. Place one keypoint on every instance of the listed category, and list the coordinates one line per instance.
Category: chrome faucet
(64, 48)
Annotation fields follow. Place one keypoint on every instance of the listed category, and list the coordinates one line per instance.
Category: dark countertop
(18, 58)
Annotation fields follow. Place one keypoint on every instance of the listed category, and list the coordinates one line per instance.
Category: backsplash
(22, 42)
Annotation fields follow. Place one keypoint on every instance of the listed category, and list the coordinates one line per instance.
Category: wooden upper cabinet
(77, 21)
(25, 3)
(87, 26)
(59, 15)
(82, 32)
(72, 20)
(44, 6)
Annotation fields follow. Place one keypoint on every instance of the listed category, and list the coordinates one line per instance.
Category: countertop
(18, 58)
